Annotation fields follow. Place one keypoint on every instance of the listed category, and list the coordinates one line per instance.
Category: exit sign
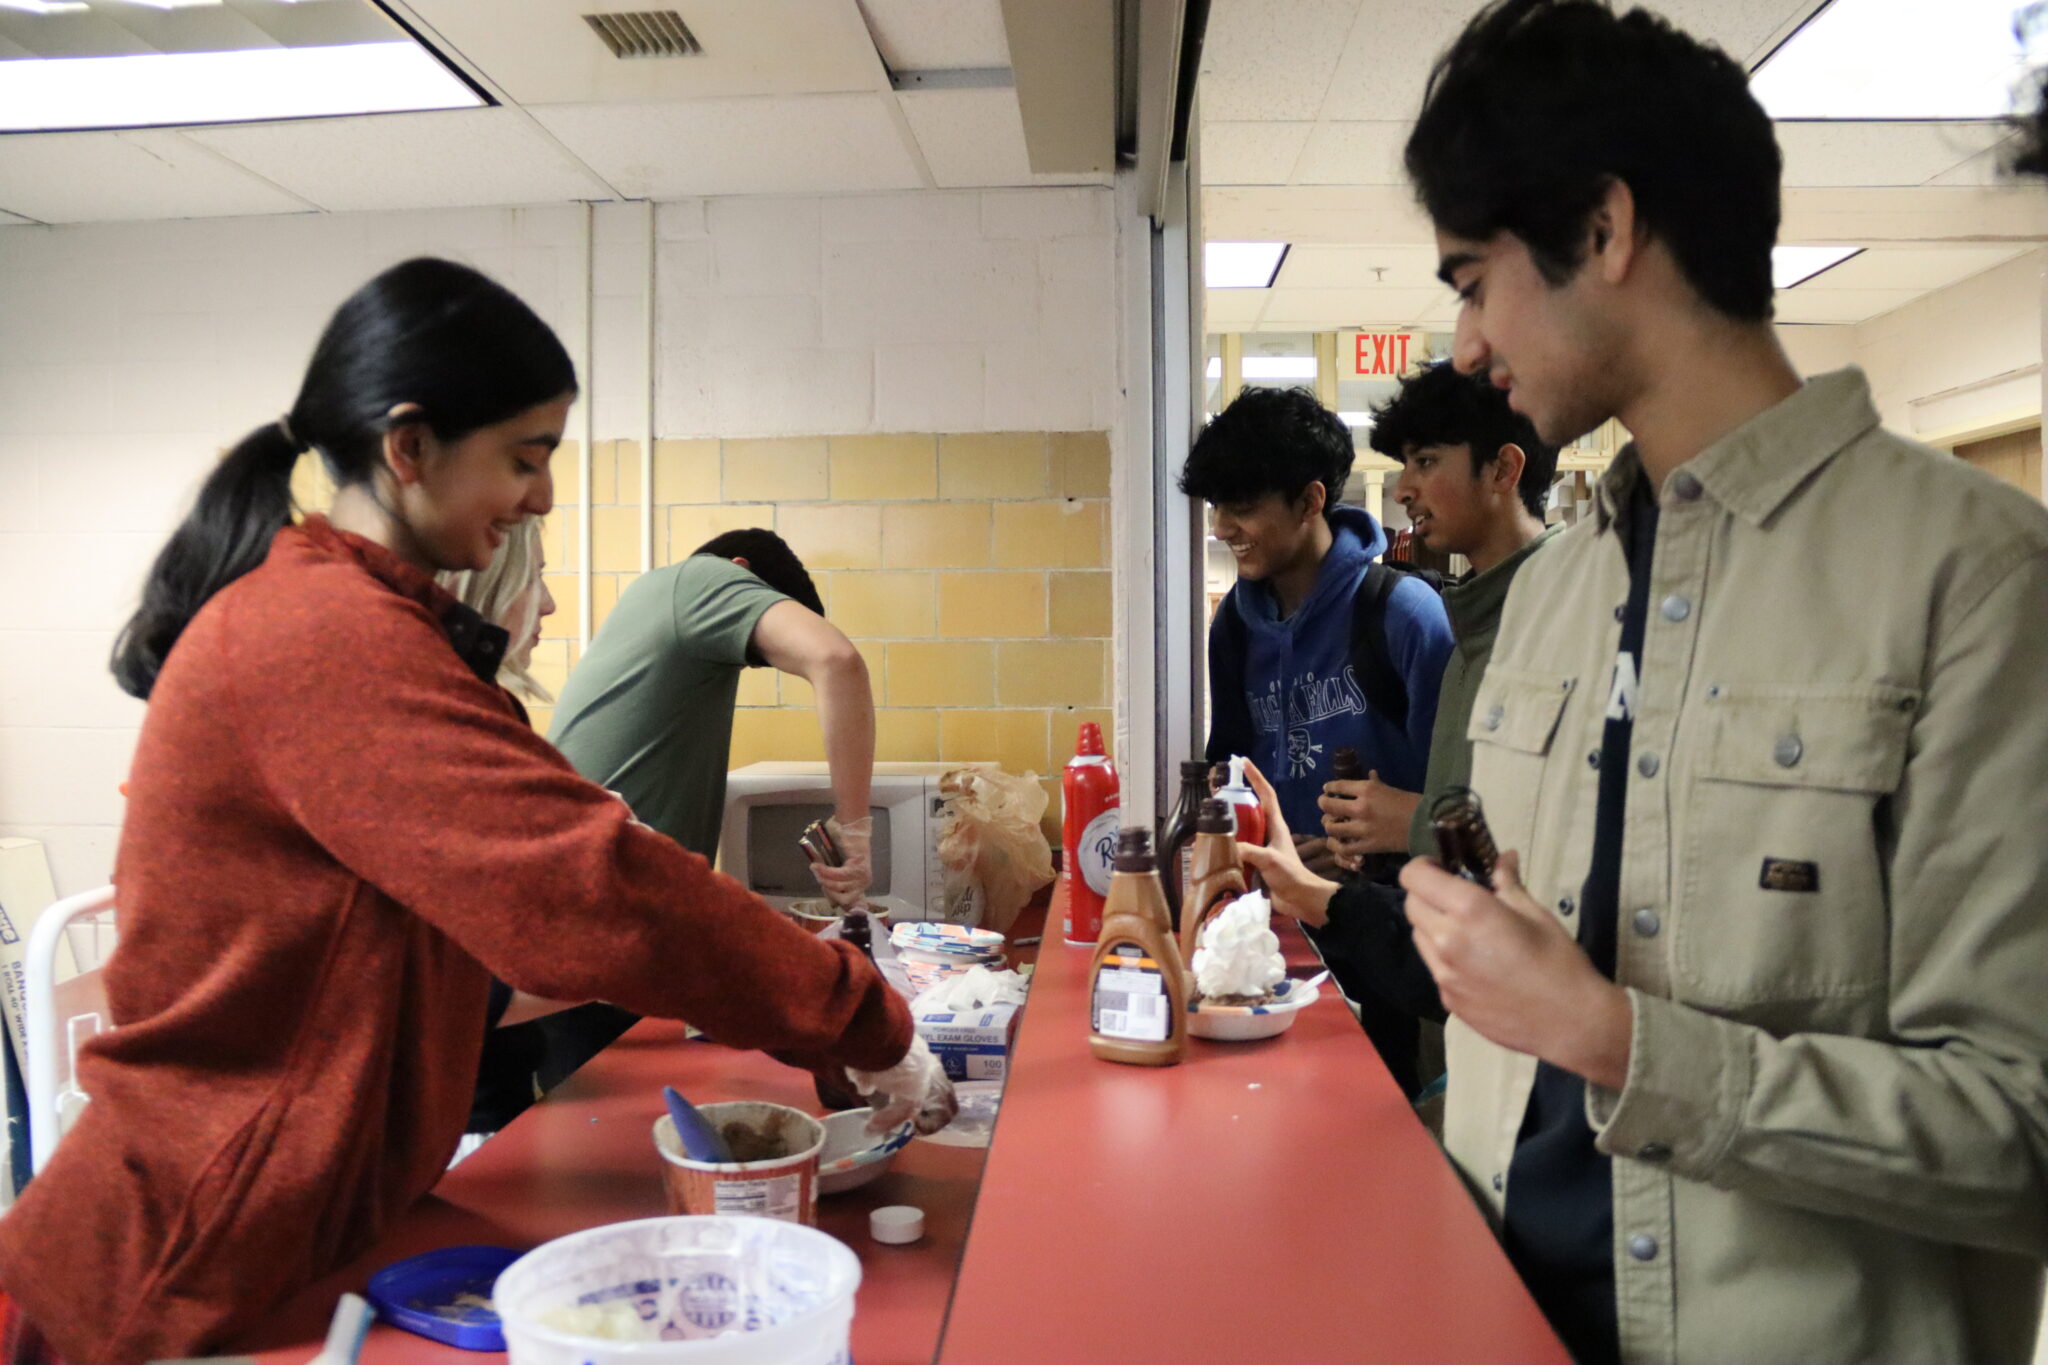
(1379, 355)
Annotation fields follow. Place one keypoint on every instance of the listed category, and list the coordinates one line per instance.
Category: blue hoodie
(1292, 698)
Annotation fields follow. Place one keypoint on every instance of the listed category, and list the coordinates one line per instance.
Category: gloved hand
(846, 885)
(915, 1089)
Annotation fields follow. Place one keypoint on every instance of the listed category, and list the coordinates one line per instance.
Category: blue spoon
(701, 1141)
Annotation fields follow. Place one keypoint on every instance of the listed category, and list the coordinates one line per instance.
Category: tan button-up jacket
(1833, 1139)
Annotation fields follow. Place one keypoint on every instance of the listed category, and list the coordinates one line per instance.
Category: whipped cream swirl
(1238, 953)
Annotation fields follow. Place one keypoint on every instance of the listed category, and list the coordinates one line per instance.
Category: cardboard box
(973, 1045)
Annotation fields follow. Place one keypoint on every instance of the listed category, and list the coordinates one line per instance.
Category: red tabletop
(585, 1156)
(1263, 1200)
(1268, 1199)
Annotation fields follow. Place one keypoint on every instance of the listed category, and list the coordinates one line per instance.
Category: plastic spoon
(700, 1140)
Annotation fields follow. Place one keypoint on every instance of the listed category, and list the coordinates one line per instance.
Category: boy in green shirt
(648, 714)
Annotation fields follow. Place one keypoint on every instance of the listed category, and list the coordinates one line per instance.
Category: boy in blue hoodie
(1284, 653)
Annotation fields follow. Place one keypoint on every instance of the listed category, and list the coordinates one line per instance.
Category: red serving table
(1268, 1199)
(1262, 1200)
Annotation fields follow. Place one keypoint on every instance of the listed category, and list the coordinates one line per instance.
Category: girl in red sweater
(338, 828)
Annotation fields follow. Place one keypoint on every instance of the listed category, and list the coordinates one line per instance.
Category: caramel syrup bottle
(1137, 984)
(1218, 873)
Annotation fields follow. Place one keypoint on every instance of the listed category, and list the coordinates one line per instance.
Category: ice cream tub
(782, 1184)
(681, 1291)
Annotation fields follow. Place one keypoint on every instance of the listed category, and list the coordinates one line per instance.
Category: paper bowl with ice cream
(853, 1156)
(1242, 1023)
(1241, 989)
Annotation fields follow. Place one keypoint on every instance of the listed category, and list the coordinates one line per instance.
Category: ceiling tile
(454, 159)
(938, 35)
(550, 56)
(975, 138)
(1353, 154)
(1272, 59)
(108, 177)
(805, 144)
(1746, 30)
(1839, 305)
(1339, 267)
(1880, 154)
(1226, 309)
(1985, 168)
(1906, 267)
(1332, 308)
(1386, 62)
(1251, 153)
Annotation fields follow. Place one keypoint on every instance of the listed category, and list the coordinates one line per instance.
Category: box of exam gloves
(969, 1019)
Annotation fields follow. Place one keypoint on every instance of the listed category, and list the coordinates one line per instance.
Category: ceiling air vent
(649, 33)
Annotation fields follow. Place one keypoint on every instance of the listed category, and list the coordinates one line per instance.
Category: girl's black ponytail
(426, 333)
(243, 504)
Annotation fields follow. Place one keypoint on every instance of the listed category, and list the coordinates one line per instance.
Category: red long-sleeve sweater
(335, 832)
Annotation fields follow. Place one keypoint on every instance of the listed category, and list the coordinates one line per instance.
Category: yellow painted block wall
(972, 570)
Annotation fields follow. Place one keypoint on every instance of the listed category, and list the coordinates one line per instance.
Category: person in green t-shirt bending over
(648, 714)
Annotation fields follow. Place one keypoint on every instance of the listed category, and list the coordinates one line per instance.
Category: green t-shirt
(648, 712)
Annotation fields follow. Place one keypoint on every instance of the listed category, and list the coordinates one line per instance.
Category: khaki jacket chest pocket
(1783, 878)
(1515, 721)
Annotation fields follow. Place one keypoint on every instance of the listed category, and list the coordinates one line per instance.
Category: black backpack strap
(1386, 692)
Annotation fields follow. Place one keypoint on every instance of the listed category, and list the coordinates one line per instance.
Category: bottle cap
(1215, 817)
(896, 1224)
(1134, 849)
(1194, 769)
(1090, 742)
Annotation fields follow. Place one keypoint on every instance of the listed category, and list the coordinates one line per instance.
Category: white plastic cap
(896, 1224)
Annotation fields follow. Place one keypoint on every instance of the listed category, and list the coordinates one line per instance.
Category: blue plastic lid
(425, 1295)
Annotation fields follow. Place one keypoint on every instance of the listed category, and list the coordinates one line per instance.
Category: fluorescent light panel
(1242, 265)
(1268, 367)
(225, 87)
(1793, 265)
(1896, 59)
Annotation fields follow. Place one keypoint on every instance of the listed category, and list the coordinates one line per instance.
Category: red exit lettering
(1380, 353)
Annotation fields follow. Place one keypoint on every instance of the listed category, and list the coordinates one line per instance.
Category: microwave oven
(767, 806)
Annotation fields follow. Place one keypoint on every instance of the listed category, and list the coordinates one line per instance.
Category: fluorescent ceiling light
(225, 87)
(41, 7)
(1896, 59)
(1279, 367)
(1791, 265)
(1355, 419)
(1242, 265)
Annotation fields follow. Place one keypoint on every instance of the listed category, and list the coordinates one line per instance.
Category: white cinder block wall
(130, 354)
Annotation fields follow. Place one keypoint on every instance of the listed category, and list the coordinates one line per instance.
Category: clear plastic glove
(914, 1090)
(846, 885)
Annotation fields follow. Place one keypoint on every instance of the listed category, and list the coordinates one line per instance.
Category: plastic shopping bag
(990, 845)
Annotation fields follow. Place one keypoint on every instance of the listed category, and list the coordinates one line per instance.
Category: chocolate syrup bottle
(1176, 848)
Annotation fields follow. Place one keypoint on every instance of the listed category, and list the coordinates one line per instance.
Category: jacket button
(1498, 1183)
(1646, 923)
(1647, 765)
(1495, 714)
(1565, 905)
(1593, 759)
(1685, 485)
(1675, 608)
(1643, 1247)
(1788, 751)
(1654, 1151)
(1620, 612)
